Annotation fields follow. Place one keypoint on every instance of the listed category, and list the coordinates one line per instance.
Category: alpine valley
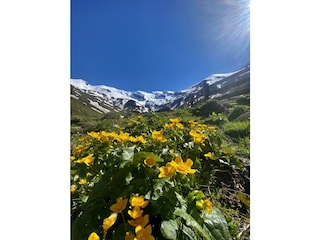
(105, 99)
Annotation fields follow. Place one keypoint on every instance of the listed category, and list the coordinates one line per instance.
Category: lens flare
(230, 31)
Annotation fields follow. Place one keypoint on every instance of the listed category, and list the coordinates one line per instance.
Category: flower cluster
(176, 165)
(139, 222)
(205, 205)
(143, 231)
(175, 124)
(149, 172)
(104, 136)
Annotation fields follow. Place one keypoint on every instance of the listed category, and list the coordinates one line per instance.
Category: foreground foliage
(155, 178)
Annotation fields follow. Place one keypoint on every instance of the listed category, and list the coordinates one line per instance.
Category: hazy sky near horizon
(157, 45)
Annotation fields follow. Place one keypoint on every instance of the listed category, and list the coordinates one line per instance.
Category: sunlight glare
(231, 32)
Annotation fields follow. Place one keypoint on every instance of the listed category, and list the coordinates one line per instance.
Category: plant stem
(124, 221)
(104, 234)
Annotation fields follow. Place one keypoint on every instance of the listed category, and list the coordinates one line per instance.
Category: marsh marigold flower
(144, 233)
(138, 201)
(208, 155)
(207, 205)
(193, 123)
(119, 206)
(199, 204)
(135, 212)
(166, 171)
(93, 236)
(124, 136)
(73, 188)
(158, 136)
(141, 139)
(198, 136)
(104, 136)
(175, 124)
(83, 181)
(139, 221)
(149, 161)
(95, 135)
(108, 222)
(183, 167)
(88, 160)
(78, 149)
(137, 139)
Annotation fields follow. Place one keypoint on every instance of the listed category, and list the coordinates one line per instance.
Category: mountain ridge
(104, 99)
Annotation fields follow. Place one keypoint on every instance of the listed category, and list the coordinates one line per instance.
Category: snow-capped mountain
(104, 98)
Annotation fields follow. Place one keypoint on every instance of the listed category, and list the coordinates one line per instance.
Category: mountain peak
(214, 86)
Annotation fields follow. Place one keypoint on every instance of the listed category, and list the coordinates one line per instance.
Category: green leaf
(182, 201)
(84, 198)
(127, 154)
(169, 229)
(191, 222)
(139, 157)
(244, 198)
(195, 195)
(217, 225)
(188, 232)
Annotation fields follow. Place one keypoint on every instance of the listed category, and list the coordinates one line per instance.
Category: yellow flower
(207, 205)
(135, 213)
(208, 155)
(114, 136)
(199, 204)
(149, 161)
(141, 139)
(104, 136)
(73, 188)
(108, 222)
(83, 181)
(166, 171)
(158, 136)
(72, 158)
(124, 136)
(139, 221)
(198, 136)
(183, 167)
(93, 236)
(175, 120)
(138, 201)
(78, 149)
(119, 206)
(175, 123)
(144, 233)
(83, 138)
(95, 135)
(193, 123)
(88, 160)
(129, 236)
(170, 126)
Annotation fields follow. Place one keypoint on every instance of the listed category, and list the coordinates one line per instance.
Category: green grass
(237, 129)
(81, 112)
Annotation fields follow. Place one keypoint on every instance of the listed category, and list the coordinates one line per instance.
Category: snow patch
(96, 105)
(75, 97)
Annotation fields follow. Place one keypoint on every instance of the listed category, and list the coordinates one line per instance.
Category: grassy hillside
(82, 112)
(120, 155)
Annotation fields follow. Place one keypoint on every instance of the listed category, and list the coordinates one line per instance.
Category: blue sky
(157, 45)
